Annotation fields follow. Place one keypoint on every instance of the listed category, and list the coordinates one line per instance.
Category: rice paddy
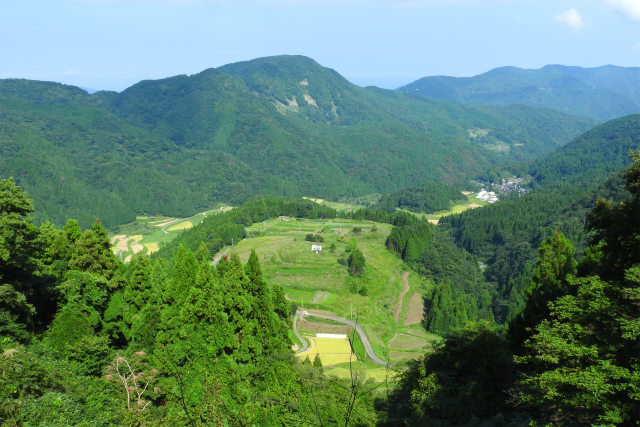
(319, 281)
(332, 351)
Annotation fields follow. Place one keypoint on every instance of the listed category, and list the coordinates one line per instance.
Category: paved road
(363, 337)
(305, 344)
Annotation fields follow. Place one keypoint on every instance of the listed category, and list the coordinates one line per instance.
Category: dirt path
(403, 293)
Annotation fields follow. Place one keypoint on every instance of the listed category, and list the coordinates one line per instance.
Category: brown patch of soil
(405, 288)
(415, 313)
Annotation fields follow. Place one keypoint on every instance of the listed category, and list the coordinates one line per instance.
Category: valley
(390, 311)
(267, 243)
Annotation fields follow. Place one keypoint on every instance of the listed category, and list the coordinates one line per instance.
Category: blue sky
(112, 44)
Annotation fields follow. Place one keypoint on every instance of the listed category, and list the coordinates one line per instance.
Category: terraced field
(320, 282)
(148, 233)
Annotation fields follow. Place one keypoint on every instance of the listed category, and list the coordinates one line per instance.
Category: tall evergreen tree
(582, 364)
(555, 264)
(21, 249)
(93, 252)
(617, 228)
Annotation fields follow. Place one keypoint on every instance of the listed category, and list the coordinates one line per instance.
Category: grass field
(147, 234)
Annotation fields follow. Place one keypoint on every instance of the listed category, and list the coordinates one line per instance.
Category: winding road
(356, 326)
(305, 344)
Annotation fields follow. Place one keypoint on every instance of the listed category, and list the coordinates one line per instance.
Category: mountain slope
(602, 93)
(291, 118)
(280, 125)
(592, 157)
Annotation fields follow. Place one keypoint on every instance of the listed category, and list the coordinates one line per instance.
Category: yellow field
(162, 222)
(331, 350)
(181, 226)
(152, 247)
(137, 237)
(122, 245)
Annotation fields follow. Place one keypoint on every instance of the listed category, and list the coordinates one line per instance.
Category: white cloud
(630, 8)
(572, 18)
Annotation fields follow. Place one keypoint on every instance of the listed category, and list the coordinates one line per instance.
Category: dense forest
(461, 295)
(281, 125)
(569, 358)
(566, 185)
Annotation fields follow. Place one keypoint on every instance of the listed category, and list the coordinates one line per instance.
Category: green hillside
(281, 125)
(603, 93)
(590, 158)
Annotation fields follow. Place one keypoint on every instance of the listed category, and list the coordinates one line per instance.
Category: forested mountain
(602, 93)
(281, 125)
(566, 185)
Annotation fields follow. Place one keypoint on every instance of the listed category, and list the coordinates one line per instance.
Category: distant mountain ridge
(602, 93)
(280, 125)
